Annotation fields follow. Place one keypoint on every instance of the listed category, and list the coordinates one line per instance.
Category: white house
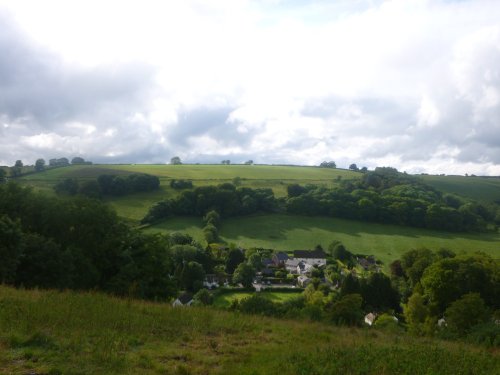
(211, 281)
(370, 318)
(313, 257)
(291, 265)
(185, 299)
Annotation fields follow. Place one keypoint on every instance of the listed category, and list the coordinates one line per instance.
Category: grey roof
(282, 257)
(185, 297)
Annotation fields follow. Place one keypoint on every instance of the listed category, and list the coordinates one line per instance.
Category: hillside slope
(70, 333)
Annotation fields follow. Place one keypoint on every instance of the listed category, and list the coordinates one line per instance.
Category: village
(292, 272)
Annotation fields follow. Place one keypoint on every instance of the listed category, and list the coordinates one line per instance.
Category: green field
(224, 300)
(286, 232)
(135, 206)
(483, 189)
(88, 333)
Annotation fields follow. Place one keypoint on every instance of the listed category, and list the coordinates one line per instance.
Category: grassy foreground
(292, 232)
(88, 333)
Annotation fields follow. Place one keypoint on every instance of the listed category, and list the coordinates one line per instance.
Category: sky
(411, 84)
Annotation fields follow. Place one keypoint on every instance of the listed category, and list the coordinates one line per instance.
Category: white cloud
(370, 82)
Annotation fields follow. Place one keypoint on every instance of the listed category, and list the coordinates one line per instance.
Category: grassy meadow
(287, 232)
(89, 333)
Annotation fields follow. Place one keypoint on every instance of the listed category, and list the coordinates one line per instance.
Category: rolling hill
(387, 242)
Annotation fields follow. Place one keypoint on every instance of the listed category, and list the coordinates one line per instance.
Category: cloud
(412, 84)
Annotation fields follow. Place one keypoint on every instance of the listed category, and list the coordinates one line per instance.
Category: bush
(181, 184)
(487, 334)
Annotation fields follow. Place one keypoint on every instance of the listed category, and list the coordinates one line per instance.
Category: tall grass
(88, 333)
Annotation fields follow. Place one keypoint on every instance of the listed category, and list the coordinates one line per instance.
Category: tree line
(383, 195)
(226, 199)
(387, 196)
(108, 185)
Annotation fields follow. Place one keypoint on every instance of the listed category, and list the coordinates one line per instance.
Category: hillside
(133, 207)
(483, 189)
(386, 242)
(291, 232)
(82, 333)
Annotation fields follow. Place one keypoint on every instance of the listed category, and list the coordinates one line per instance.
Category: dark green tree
(234, 258)
(39, 165)
(77, 160)
(175, 160)
(465, 313)
(203, 297)
(244, 274)
(347, 311)
(192, 276)
(10, 248)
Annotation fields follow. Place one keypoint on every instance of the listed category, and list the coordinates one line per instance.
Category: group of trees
(226, 199)
(18, 168)
(328, 164)
(181, 184)
(78, 243)
(462, 290)
(108, 185)
(387, 196)
(383, 195)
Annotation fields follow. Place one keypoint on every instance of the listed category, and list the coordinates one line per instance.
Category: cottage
(280, 258)
(185, 299)
(370, 318)
(313, 257)
(291, 265)
(211, 281)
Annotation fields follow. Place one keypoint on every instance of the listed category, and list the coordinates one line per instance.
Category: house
(370, 318)
(267, 262)
(315, 257)
(303, 268)
(303, 281)
(185, 299)
(366, 263)
(291, 265)
(280, 258)
(211, 281)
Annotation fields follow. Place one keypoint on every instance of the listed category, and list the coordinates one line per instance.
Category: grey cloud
(38, 86)
(213, 122)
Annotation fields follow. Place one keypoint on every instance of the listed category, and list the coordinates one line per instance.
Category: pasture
(287, 232)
